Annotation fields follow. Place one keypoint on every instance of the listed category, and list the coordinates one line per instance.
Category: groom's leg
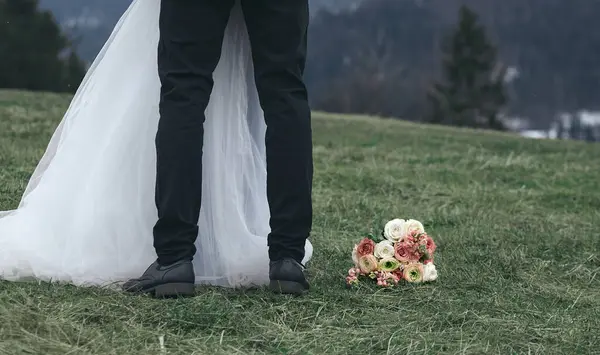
(278, 30)
(191, 36)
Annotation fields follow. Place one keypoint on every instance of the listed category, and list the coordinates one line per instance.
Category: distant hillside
(91, 21)
(383, 57)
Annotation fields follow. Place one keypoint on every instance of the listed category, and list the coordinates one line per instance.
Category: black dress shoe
(287, 277)
(159, 281)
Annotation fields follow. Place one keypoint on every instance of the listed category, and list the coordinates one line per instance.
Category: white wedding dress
(87, 214)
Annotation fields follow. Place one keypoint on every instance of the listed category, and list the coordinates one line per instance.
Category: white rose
(412, 225)
(429, 272)
(354, 255)
(384, 249)
(395, 230)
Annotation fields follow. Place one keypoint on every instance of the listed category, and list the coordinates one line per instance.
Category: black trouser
(191, 36)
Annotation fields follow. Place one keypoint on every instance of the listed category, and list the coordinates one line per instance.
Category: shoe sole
(170, 290)
(287, 287)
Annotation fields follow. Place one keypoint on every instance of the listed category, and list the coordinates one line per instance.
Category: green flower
(389, 264)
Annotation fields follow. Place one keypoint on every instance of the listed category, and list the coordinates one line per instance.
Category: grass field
(516, 223)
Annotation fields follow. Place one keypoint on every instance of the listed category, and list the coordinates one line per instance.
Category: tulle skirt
(87, 214)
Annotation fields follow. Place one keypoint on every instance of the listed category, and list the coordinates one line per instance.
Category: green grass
(516, 222)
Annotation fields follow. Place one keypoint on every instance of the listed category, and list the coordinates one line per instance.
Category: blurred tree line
(432, 60)
(389, 57)
(34, 53)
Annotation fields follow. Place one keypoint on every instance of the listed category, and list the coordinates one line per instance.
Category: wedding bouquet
(404, 253)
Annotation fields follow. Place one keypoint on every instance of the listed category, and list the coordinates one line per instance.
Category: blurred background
(528, 66)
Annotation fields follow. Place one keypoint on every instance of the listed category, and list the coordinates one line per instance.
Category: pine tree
(34, 53)
(472, 93)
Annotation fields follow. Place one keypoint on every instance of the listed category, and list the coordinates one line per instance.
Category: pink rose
(365, 247)
(430, 246)
(404, 252)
